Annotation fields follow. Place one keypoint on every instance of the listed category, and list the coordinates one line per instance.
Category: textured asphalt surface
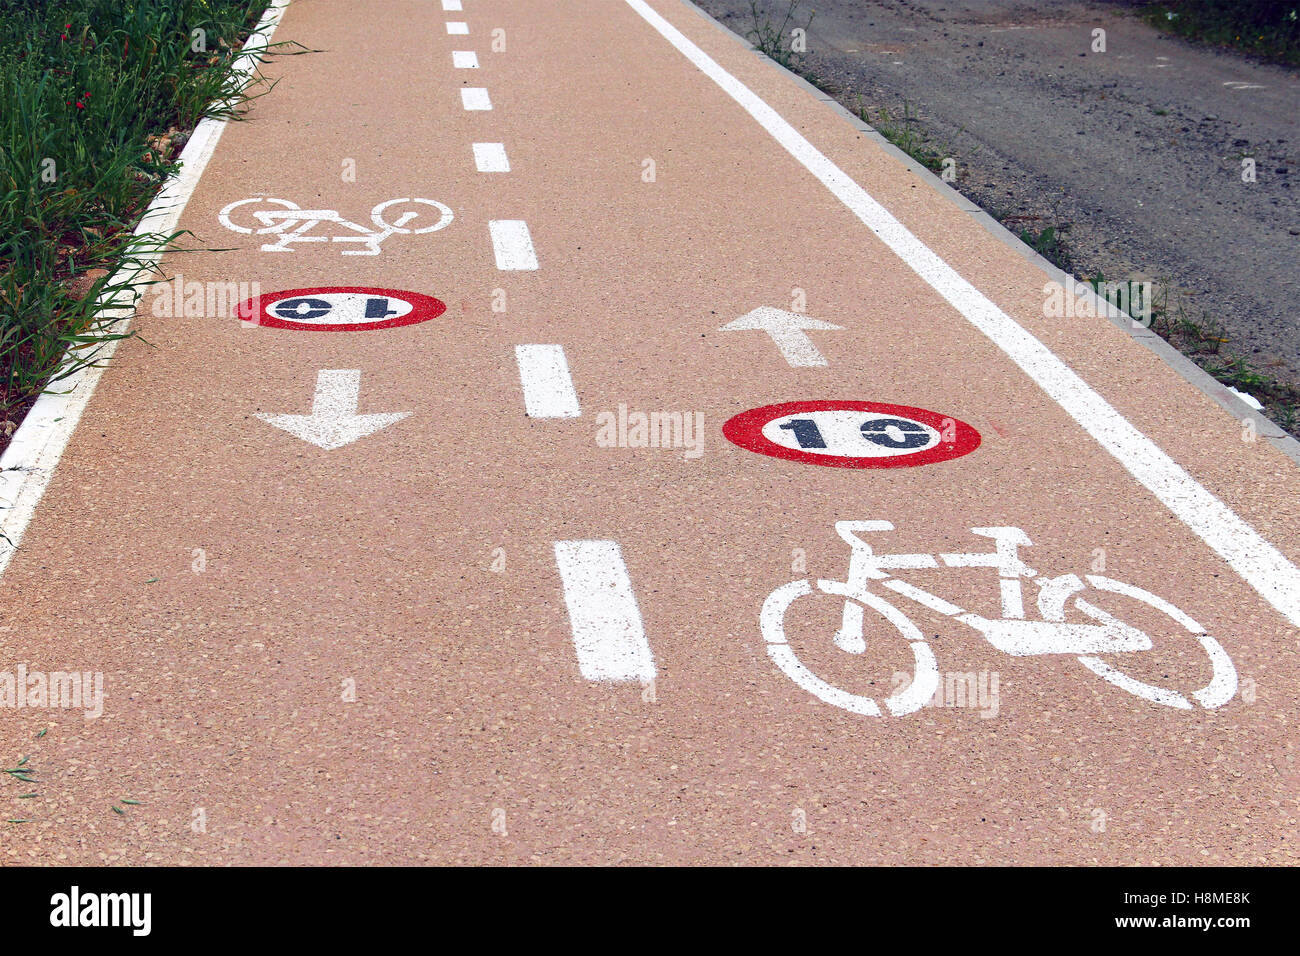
(449, 613)
(1138, 148)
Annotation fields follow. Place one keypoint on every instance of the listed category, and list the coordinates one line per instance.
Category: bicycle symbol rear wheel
(237, 211)
(913, 697)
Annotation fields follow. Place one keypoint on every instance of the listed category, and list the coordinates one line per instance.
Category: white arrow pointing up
(333, 421)
(787, 331)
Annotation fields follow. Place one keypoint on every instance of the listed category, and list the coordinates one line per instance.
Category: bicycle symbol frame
(1013, 633)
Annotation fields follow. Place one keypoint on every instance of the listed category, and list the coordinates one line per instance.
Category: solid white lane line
(1260, 564)
(513, 245)
(548, 387)
(457, 29)
(608, 635)
(464, 60)
(475, 98)
(451, 6)
(38, 444)
(491, 158)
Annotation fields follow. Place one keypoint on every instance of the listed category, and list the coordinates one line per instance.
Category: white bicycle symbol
(1099, 632)
(266, 215)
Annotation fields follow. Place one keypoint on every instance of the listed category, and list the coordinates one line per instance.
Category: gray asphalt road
(1139, 147)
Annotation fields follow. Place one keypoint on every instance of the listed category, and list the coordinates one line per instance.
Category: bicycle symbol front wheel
(1222, 686)
(911, 698)
(399, 219)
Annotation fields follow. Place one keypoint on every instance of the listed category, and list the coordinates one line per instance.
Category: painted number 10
(887, 432)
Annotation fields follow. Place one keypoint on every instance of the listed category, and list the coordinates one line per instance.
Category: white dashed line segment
(608, 635)
(491, 158)
(548, 387)
(475, 98)
(513, 245)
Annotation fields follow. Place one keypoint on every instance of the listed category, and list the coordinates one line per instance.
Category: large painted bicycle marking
(1095, 632)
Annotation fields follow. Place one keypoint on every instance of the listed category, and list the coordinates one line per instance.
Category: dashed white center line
(608, 635)
(451, 6)
(464, 60)
(475, 98)
(513, 245)
(457, 28)
(548, 387)
(491, 158)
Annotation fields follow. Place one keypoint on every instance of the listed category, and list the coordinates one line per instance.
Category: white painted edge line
(548, 386)
(38, 444)
(608, 635)
(451, 6)
(512, 244)
(475, 98)
(457, 28)
(464, 60)
(1260, 564)
(1181, 365)
(491, 158)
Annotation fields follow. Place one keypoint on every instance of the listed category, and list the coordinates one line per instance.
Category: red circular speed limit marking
(340, 309)
(841, 434)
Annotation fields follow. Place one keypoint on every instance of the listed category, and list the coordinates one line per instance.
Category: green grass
(903, 130)
(1265, 28)
(774, 39)
(1202, 338)
(1049, 243)
(96, 99)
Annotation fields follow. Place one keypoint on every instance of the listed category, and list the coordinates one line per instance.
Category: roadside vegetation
(1202, 338)
(1269, 29)
(902, 129)
(778, 40)
(97, 97)
(1198, 336)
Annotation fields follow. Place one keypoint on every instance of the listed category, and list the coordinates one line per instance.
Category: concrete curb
(36, 447)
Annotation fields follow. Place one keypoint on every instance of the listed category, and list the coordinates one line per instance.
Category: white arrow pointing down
(333, 421)
(787, 332)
